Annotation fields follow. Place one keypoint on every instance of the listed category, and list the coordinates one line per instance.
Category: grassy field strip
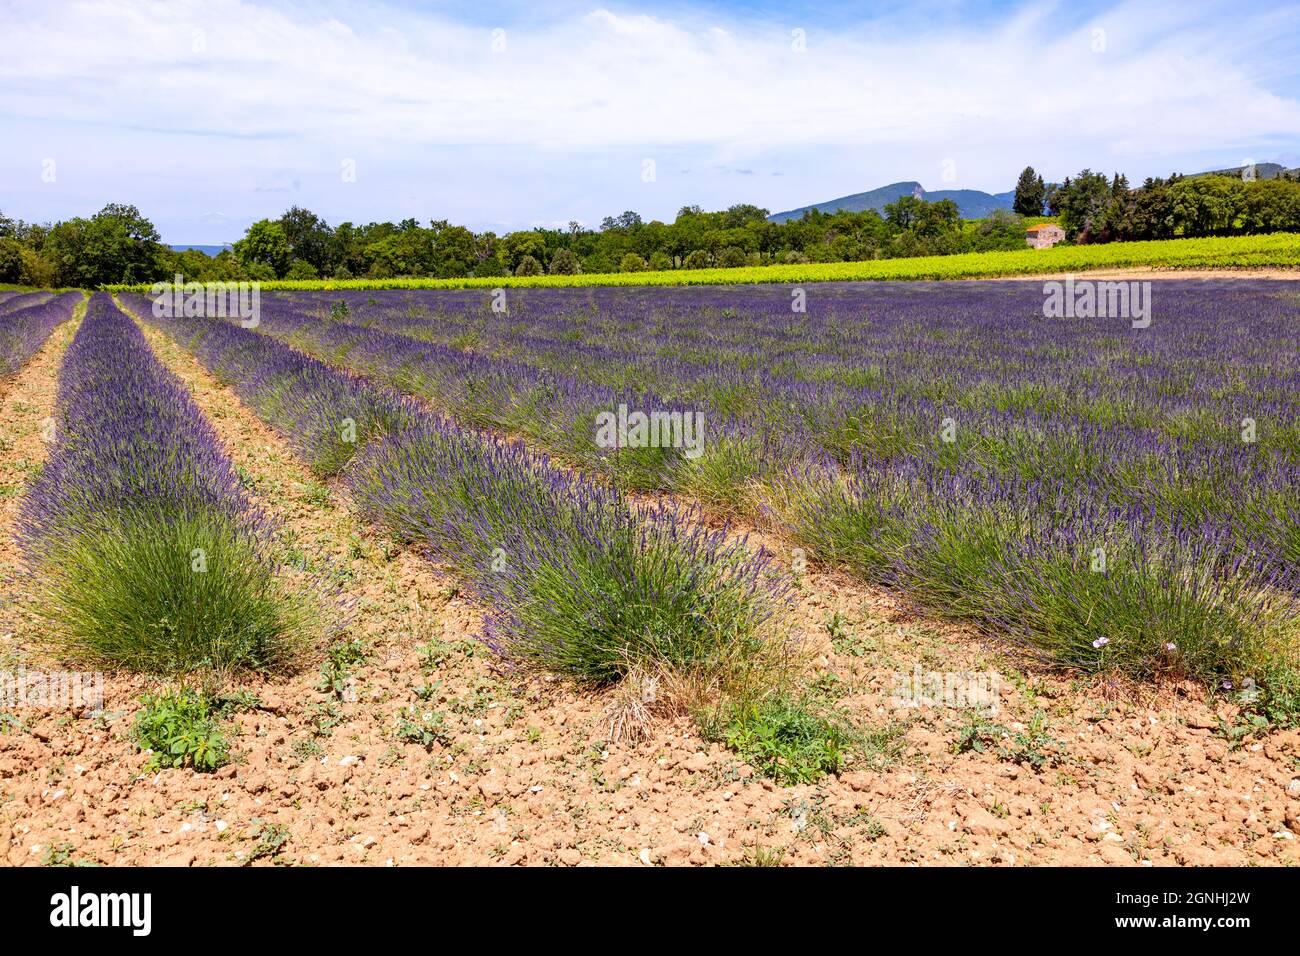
(1273, 250)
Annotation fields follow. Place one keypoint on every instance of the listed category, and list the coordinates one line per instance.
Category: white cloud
(280, 93)
(609, 79)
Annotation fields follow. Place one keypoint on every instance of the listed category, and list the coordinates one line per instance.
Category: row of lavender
(961, 344)
(580, 582)
(1116, 495)
(143, 549)
(1165, 417)
(11, 300)
(26, 321)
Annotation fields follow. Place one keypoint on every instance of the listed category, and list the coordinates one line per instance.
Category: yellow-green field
(1274, 250)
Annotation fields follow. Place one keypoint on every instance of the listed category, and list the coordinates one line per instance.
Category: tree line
(1091, 207)
(119, 245)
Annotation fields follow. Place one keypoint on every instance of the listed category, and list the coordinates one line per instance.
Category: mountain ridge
(973, 203)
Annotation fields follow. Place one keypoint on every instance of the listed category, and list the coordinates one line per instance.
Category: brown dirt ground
(526, 773)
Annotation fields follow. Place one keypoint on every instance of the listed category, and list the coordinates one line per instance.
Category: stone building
(1044, 236)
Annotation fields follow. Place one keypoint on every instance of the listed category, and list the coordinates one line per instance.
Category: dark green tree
(1030, 193)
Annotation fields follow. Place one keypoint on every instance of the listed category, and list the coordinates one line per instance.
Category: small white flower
(1101, 642)
(1171, 646)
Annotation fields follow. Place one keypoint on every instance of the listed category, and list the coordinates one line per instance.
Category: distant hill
(972, 203)
(1262, 171)
(206, 250)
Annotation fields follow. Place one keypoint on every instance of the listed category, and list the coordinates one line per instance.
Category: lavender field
(361, 542)
(1109, 494)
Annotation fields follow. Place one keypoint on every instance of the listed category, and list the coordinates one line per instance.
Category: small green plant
(978, 733)
(784, 738)
(1275, 698)
(1033, 745)
(759, 855)
(425, 729)
(434, 654)
(317, 494)
(307, 749)
(427, 691)
(336, 671)
(323, 718)
(180, 729)
(227, 705)
(61, 854)
(271, 840)
(11, 723)
(872, 829)
(1238, 732)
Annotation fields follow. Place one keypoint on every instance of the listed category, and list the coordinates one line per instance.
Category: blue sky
(209, 114)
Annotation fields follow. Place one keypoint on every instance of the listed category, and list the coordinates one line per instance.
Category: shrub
(11, 260)
(528, 266)
(582, 586)
(631, 262)
(783, 737)
(180, 729)
(123, 590)
(565, 263)
(301, 269)
(731, 257)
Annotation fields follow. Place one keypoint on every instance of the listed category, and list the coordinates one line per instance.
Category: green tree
(117, 244)
(1082, 203)
(265, 244)
(1031, 192)
(11, 260)
(1001, 229)
(732, 257)
(308, 237)
(1207, 205)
